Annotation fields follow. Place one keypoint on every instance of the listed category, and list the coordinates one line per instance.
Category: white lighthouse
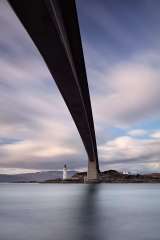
(65, 172)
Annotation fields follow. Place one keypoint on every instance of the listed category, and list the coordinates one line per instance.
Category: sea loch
(70, 211)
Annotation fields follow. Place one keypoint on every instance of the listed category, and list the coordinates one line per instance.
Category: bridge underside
(53, 27)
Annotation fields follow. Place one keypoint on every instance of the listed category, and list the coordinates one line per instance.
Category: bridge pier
(92, 174)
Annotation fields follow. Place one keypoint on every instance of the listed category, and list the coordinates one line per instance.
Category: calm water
(89, 212)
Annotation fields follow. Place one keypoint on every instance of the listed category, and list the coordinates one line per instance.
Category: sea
(79, 211)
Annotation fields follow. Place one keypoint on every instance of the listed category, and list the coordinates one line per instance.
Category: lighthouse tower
(65, 172)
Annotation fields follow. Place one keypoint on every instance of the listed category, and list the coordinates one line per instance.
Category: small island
(111, 176)
(72, 176)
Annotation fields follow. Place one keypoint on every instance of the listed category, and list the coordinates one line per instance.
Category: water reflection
(77, 212)
(88, 214)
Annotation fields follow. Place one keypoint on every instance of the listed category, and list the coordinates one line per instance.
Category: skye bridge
(53, 26)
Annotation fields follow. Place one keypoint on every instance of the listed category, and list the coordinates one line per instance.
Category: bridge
(53, 26)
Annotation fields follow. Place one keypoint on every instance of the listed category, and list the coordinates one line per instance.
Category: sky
(121, 44)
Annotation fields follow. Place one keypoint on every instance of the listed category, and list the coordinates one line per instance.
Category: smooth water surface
(78, 211)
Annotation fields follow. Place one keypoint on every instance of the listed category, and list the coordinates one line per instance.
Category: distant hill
(37, 177)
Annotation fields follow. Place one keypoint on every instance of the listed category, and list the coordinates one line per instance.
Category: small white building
(65, 175)
(125, 172)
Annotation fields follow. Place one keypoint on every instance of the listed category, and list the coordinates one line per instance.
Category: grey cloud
(118, 36)
(129, 152)
(124, 86)
(73, 162)
(32, 110)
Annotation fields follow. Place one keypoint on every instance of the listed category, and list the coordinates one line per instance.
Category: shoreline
(109, 176)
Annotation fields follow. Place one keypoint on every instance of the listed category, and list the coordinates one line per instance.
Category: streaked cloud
(132, 153)
(137, 132)
(122, 54)
(130, 92)
(155, 134)
(36, 129)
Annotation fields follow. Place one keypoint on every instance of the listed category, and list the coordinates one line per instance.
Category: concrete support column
(92, 173)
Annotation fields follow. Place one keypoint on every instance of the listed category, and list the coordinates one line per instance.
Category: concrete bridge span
(53, 26)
